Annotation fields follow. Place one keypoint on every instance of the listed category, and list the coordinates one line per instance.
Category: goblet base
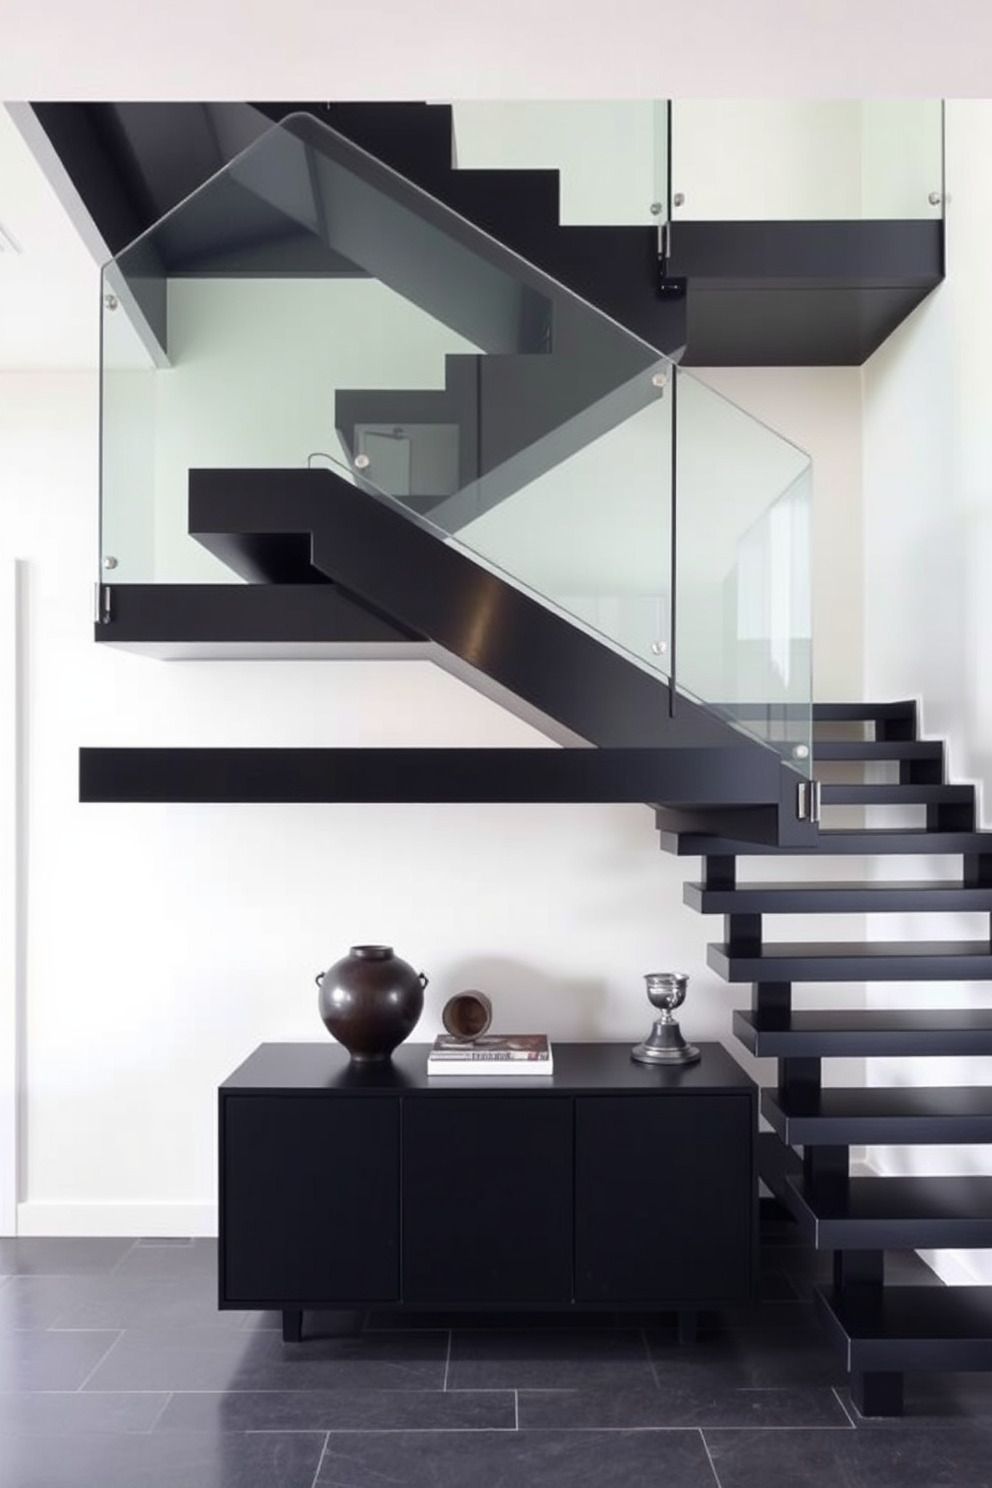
(665, 1045)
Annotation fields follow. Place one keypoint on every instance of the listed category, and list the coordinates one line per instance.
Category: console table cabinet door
(487, 1200)
(310, 1207)
(664, 1199)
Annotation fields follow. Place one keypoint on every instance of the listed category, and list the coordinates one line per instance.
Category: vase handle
(422, 979)
(320, 977)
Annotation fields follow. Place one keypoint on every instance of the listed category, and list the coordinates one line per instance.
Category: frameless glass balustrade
(764, 160)
(742, 570)
(308, 306)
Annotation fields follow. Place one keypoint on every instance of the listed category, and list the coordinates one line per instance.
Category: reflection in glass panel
(743, 638)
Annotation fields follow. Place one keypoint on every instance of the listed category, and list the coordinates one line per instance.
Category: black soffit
(759, 293)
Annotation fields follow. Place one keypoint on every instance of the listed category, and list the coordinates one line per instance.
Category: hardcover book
(492, 1054)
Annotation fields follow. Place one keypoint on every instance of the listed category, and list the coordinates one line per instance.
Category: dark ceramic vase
(370, 1001)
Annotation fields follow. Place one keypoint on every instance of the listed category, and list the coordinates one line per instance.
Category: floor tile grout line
(117, 1264)
(709, 1456)
(165, 1406)
(854, 1424)
(447, 1359)
(320, 1459)
(102, 1359)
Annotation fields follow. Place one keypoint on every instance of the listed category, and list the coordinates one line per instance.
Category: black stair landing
(867, 896)
(853, 961)
(921, 1328)
(909, 1113)
(865, 1032)
(894, 1213)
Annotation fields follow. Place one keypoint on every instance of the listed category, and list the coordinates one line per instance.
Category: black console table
(607, 1185)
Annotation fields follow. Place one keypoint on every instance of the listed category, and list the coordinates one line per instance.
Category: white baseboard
(38, 1217)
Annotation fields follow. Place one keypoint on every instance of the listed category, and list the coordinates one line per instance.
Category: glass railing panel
(312, 302)
(742, 566)
(589, 531)
(588, 535)
(902, 158)
(612, 161)
(661, 136)
(314, 307)
(127, 439)
(768, 160)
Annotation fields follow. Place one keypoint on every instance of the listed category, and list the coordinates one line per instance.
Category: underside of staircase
(883, 1331)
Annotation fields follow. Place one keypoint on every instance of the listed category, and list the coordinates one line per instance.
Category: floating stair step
(914, 1328)
(878, 749)
(832, 841)
(897, 795)
(863, 712)
(878, 1032)
(869, 896)
(514, 202)
(894, 1213)
(414, 138)
(905, 1113)
(854, 961)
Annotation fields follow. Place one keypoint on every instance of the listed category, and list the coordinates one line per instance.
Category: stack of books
(492, 1054)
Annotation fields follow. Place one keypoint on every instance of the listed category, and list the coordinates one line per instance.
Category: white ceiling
(215, 49)
(50, 290)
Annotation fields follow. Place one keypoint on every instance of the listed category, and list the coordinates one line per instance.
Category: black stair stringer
(491, 631)
(883, 1331)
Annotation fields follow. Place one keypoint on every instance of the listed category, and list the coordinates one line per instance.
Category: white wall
(928, 555)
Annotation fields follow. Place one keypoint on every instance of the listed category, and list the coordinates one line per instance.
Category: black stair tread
(878, 960)
(904, 1113)
(870, 1100)
(916, 1328)
(414, 138)
(905, 1213)
(877, 749)
(862, 712)
(860, 794)
(862, 842)
(863, 896)
(913, 1197)
(865, 1031)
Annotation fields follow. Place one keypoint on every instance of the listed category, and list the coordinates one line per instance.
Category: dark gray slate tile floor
(117, 1371)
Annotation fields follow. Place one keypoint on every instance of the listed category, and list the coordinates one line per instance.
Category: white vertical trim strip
(12, 889)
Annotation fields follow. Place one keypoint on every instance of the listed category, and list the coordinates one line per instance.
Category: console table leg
(292, 1324)
(688, 1327)
(877, 1392)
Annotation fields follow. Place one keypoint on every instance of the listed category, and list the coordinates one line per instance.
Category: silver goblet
(665, 1045)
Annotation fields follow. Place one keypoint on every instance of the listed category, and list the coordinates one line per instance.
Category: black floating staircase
(884, 1331)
